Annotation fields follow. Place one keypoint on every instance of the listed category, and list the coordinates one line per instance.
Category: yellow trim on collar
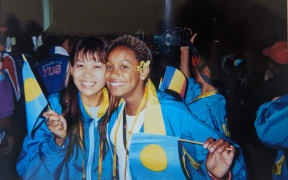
(210, 93)
(103, 106)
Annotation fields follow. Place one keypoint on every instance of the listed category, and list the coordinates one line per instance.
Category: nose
(87, 73)
(114, 73)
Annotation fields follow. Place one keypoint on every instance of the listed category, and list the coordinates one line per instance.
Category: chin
(116, 94)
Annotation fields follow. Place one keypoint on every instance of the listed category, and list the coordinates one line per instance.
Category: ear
(144, 74)
(70, 69)
(206, 72)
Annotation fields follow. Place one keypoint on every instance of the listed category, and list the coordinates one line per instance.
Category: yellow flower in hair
(143, 65)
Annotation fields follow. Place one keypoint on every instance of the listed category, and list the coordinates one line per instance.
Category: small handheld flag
(35, 101)
(154, 157)
(174, 80)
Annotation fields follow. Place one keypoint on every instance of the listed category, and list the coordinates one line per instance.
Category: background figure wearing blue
(154, 112)
(272, 116)
(202, 97)
(53, 69)
(271, 127)
(67, 143)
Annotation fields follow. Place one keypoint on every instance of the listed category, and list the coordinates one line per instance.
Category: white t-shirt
(120, 149)
(93, 111)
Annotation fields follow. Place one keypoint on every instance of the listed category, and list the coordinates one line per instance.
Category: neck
(92, 101)
(132, 103)
(207, 88)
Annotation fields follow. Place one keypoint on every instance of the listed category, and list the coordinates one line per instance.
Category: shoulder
(270, 119)
(272, 108)
(216, 100)
(167, 99)
(192, 83)
(170, 106)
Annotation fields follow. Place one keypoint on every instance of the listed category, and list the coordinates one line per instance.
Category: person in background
(202, 95)
(8, 64)
(272, 116)
(68, 145)
(235, 78)
(127, 70)
(271, 127)
(274, 86)
(53, 69)
(7, 138)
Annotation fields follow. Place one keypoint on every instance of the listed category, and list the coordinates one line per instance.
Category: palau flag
(35, 101)
(174, 80)
(154, 157)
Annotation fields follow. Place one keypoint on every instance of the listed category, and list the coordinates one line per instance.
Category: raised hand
(193, 36)
(57, 125)
(219, 158)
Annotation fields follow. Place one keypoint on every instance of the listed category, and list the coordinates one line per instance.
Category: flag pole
(25, 59)
(200, 143)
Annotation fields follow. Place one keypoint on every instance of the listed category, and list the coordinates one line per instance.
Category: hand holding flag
(57, 125)
(219, 159)
(157, 156)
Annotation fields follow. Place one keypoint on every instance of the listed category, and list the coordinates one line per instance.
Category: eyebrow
(81, 60)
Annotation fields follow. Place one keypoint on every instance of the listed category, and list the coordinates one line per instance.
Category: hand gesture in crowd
(219, 158)
(57, 125)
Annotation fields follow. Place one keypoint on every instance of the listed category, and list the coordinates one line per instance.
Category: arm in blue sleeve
(186, 126)
(272, 121)
(41, 157)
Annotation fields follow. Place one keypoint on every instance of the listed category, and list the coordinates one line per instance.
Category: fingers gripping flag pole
(156, 156)
(35, 101)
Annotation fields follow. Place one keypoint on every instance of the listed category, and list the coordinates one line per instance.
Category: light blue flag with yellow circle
(35, 101)
(154, 157)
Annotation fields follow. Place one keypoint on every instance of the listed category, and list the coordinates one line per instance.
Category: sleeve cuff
(227, 177)
(57, 148)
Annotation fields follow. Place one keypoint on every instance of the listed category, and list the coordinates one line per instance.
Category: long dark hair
(88, 48)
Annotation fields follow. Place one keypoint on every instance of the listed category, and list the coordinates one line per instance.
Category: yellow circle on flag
(154, 157)
(31, 89)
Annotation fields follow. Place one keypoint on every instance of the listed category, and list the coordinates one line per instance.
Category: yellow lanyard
(129, 134)
(100, 161)
(81, 146)
(210, 93)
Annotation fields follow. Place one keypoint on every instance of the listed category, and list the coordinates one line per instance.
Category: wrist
(227, 176)
(59, 140)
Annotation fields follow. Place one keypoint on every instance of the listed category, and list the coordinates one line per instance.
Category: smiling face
(88, 76)
(122, 78)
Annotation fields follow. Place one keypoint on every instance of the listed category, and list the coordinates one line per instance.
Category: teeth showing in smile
(116, 84)
(88, 84)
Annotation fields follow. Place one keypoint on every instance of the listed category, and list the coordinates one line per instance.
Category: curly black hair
(141, 50)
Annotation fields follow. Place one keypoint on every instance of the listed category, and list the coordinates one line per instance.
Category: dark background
(245, 27)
